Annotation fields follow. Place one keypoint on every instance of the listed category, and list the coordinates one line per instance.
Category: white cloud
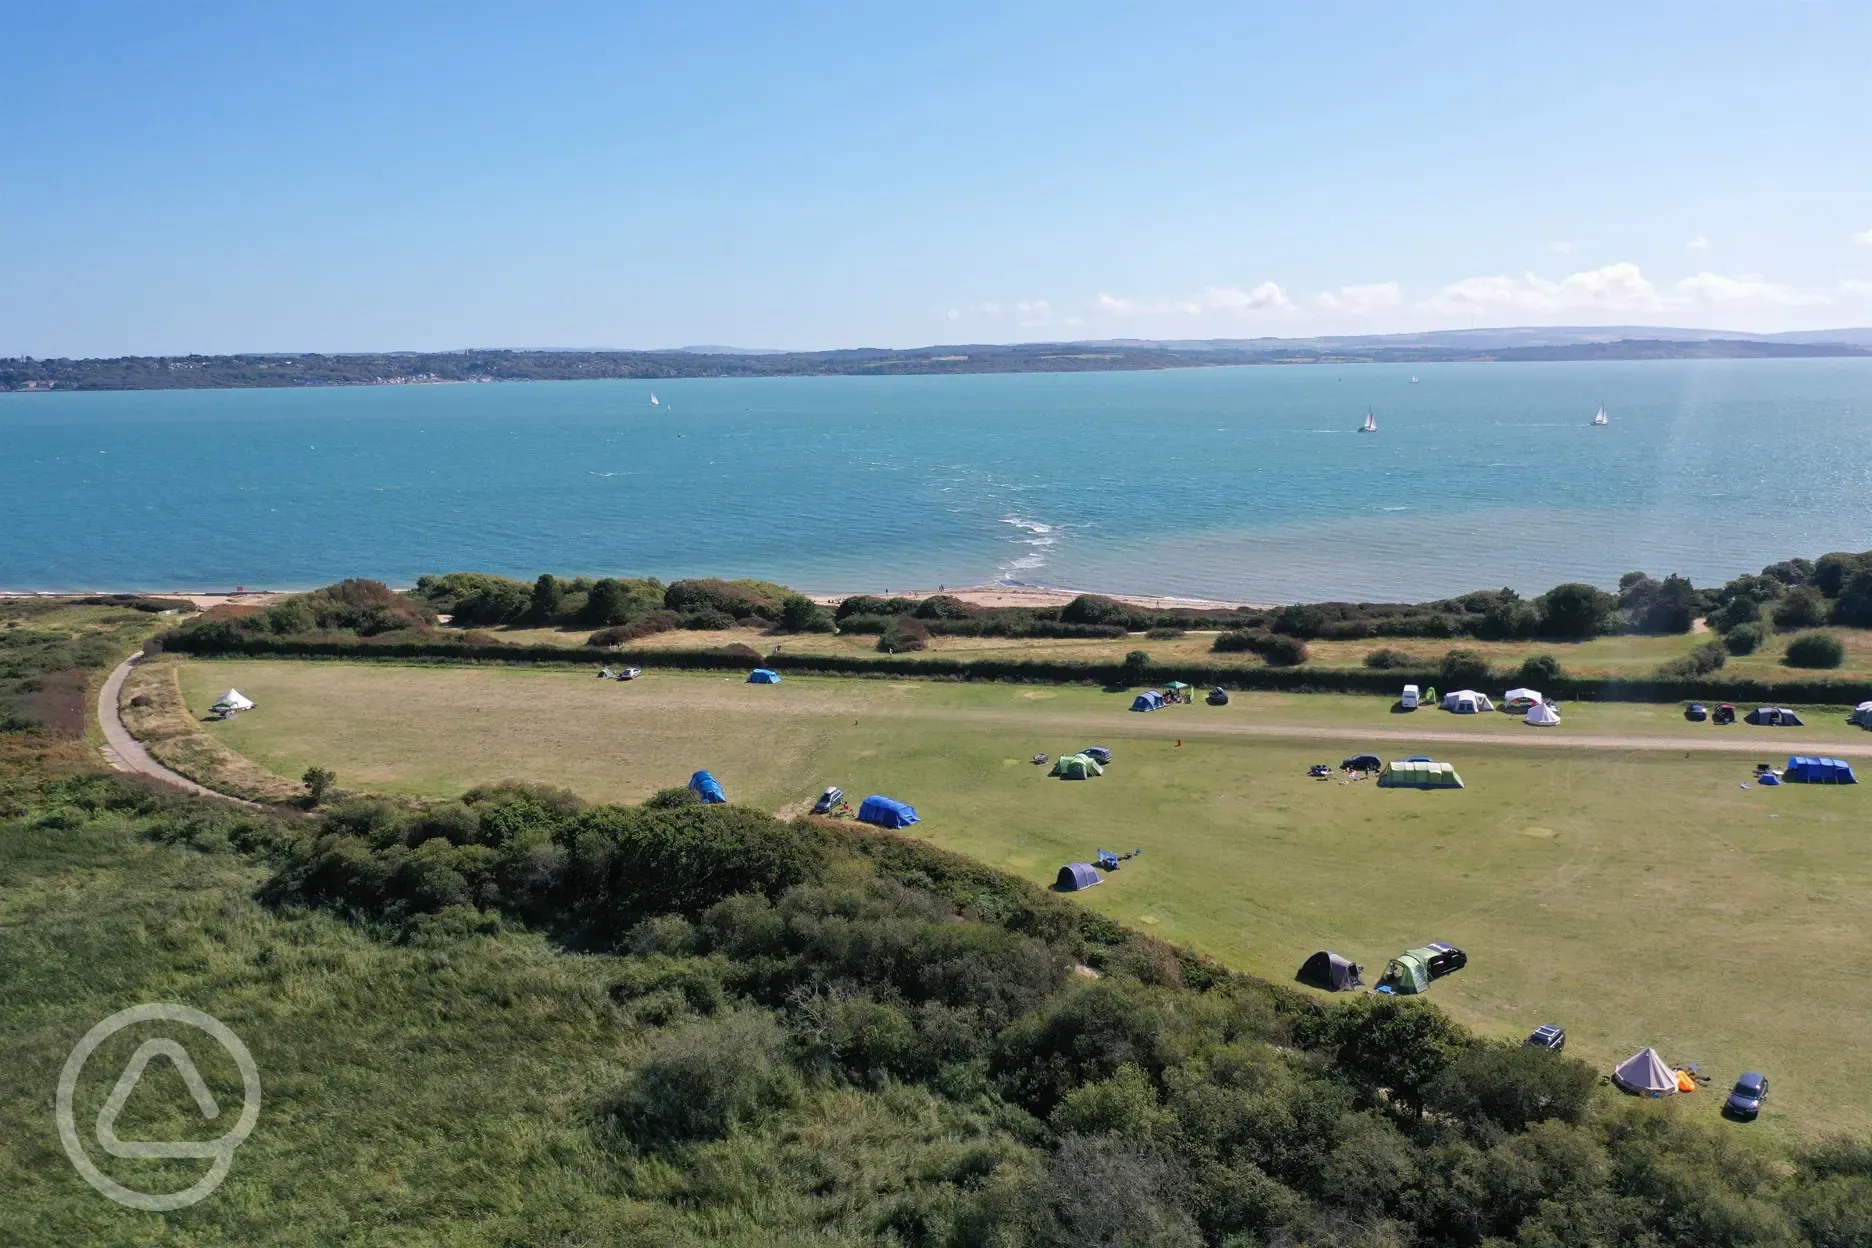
(1034, 312)
(1699, 243)
(1560, 247)
(1361, 300)
(955, 314)
(1863, 238)
(1856, 288)
(1613, 288)
(1266, 297)
(1714, 288)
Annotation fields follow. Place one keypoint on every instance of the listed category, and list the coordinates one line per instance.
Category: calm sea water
(1241, 483)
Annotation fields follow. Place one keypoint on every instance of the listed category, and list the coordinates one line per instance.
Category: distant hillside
(195, 372)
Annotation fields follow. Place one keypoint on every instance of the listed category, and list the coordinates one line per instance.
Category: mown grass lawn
(1636, 896)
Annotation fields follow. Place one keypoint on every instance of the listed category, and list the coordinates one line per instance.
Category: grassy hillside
(1637, 896)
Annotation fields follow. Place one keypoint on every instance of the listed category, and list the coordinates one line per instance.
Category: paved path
(125, 753)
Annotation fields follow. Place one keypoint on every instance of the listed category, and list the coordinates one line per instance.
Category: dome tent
(1541, 715)
(1149, 700)
(1331, 971)
(1076, 767)
(1522, 699)
(763, 676)
(1645, 1074)
(707, 787)
(1075, 876)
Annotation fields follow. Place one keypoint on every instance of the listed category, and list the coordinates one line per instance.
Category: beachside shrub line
(1815, 692)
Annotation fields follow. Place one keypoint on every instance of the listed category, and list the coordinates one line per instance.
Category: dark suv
(1745, 1099)
(1445, 958)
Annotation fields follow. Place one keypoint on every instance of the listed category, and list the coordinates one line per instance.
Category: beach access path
(127, 754)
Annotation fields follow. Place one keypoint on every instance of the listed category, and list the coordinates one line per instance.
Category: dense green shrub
(1278, 649)
(800, 614)
(1815, 650)
(1164, 634)
(1465, 669)
(1701, 661)
(702, 1080)
(474, 598)
(1387, 659)
(1854, 605)
(1096, 609)
(1745, 638)
(1576, 611)
(1513, 1086)
(1801, 607)
(1832, 571)
(1538, 670)
(1136, 663)
(1667, 606)
(707, 619)
(943, 607)
(735, 599)
(904, 635)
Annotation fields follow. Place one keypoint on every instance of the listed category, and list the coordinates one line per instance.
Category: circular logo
(221, 1150)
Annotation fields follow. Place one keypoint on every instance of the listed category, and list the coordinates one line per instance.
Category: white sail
(1371, 423)
(653, 401)
(1600, 419)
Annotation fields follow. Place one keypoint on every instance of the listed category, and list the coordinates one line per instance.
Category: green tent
(1419, 774)
(1407, 974)
(1076, 767)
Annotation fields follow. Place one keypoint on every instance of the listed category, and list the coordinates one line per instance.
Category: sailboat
(1600, 421)
(1413, 379)
(1371, 423)
(653, 401)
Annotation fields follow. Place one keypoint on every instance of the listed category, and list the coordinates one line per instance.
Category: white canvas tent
(1542, 716)
(233, 700)
(1521, 699)
(1645, 1073)
(1467, 702)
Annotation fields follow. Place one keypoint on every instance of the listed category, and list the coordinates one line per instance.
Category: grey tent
(1330, 971)
(1645, 1074)
(1774, 717)
(1075, 876)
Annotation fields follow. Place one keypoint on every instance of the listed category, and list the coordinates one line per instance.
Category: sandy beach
(203, 600)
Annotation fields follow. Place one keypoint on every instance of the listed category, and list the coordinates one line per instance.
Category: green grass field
(1635, 895)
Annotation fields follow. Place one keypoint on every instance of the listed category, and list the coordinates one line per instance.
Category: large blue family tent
(1820, 771)
(1075, 876)
(1149, 700)
(707, 787)
(763, 676)
(887, 812)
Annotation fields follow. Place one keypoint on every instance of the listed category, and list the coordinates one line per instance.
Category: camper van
(1411, 698)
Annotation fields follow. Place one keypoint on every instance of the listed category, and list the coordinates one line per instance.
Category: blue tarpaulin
(763, 676)
(887, 812)
(1149, 700)
(1805, 770)
(707, 787)
(1075, 876)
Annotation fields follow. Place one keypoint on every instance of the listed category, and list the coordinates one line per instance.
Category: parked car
(828, 801)
(1218, 696)
(1411, 698)
(1363, 762)
(1546, 1036)
(1725, 714)
(1696, 712)
(1745, 1099)
(1445, 959)
(1098, 754)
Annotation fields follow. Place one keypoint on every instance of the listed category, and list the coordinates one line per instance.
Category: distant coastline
(222, 372)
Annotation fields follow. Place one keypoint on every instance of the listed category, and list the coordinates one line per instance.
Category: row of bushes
(1662, 688)
(480, 600)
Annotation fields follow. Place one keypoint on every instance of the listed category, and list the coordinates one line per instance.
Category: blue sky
(384, 176)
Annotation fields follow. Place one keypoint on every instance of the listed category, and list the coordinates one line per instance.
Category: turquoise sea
(1233, 483)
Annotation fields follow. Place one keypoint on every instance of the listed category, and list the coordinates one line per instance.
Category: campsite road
(125, 753)
(1767, 742)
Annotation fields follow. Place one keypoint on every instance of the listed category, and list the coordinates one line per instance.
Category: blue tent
(1075, 876)
(1149, 700)
(887, 812)
(707, 787)
(763, 676)
(1820, 771)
